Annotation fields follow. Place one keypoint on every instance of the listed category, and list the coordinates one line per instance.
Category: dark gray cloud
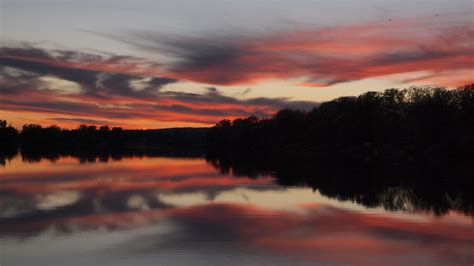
(190, 54)
(120, 83)
(49, 106)
(14, 81)
(37, 63)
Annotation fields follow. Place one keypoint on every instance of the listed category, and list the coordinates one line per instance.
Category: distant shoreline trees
(8, 135)
(391, 126)
(394, 127)
(84, 138)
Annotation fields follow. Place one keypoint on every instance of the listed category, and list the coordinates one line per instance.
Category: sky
(158, 64)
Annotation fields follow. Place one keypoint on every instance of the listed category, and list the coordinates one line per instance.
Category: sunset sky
(156, 64)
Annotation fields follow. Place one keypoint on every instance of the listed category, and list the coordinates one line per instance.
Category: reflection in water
(140, 210)
(418, 187)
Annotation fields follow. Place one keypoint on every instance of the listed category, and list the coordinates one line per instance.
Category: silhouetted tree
(8, 135)
(419, 125)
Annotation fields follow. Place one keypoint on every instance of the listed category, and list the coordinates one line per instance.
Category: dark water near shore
(185, 211)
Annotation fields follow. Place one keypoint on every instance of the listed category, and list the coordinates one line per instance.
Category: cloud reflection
(210, 210)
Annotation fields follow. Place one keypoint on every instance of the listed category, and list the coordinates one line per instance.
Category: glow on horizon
(180, 64)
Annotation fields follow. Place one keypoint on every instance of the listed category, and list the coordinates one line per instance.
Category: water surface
(185, 211)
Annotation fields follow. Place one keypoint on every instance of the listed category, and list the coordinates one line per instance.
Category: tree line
(393, 126)
(88, 137)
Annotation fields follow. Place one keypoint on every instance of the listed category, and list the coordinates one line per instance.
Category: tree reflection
(7, 154)
(417, 187)
(412, 188)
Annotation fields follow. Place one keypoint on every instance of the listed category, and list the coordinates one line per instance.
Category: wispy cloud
(321, 56)
(80, 120)
(98, 89)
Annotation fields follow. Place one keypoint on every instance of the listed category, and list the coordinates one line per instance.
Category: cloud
(80, 120)
(76, 67)
(320, 56)
(94, 88)
(14, 81)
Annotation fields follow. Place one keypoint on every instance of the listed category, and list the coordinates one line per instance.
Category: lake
(141, 210)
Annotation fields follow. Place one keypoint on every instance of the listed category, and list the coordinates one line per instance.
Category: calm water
(182, 211)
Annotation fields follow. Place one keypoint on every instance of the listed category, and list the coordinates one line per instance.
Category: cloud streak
(96, 89)
(320, 56)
